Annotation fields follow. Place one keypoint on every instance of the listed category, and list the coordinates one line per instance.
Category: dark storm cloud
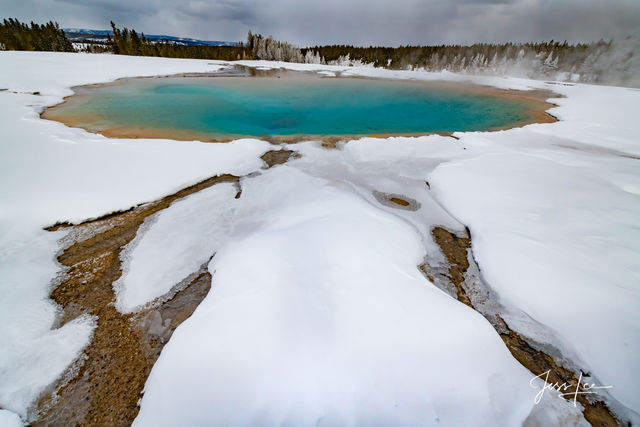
(221, 10)
(485, 1)
(364, 22)
(100, 8)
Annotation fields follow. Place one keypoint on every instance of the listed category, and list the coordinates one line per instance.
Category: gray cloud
(363, 22)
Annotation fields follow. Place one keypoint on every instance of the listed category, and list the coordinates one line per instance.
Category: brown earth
(124, 347)
(399, 201)
(278, 157)
(106, 388)
(456, 251)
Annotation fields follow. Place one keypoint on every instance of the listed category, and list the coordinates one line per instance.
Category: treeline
(15, 35)
(129, 42)
(438, 57)
(610, 62)
(532, 59)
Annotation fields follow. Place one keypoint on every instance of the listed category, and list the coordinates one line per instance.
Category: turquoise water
(243, 106)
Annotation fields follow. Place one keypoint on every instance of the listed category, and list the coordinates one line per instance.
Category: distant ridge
(82, 34)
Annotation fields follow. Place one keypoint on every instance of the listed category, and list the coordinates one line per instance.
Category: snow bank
(575, 234)
(561, 202)
(51, 173)
(344, 70)
(318, 315)
(176, 241)
(173, 244)
(54, 73)
(310, 304)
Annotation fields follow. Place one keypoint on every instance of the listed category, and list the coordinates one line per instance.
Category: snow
(552, 411)
(318, 313)
(176, 241)
(51, 173)
(568, 216)
(187, 241)
(327, 73)
(9, 419)
(575, 234)
(370, 71)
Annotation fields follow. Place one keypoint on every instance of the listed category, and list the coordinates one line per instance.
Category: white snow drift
(319, 316)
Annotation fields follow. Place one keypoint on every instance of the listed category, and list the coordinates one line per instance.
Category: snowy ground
(318, 314)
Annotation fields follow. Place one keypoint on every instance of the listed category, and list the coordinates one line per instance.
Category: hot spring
(227, 107)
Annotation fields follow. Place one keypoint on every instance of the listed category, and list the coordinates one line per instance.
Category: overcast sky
(362, 22)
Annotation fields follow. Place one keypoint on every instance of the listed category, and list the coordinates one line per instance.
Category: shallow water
(242, 106)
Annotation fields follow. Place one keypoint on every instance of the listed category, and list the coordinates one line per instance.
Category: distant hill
(78, 35)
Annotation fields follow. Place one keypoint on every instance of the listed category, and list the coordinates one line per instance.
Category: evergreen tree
(15, 35)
